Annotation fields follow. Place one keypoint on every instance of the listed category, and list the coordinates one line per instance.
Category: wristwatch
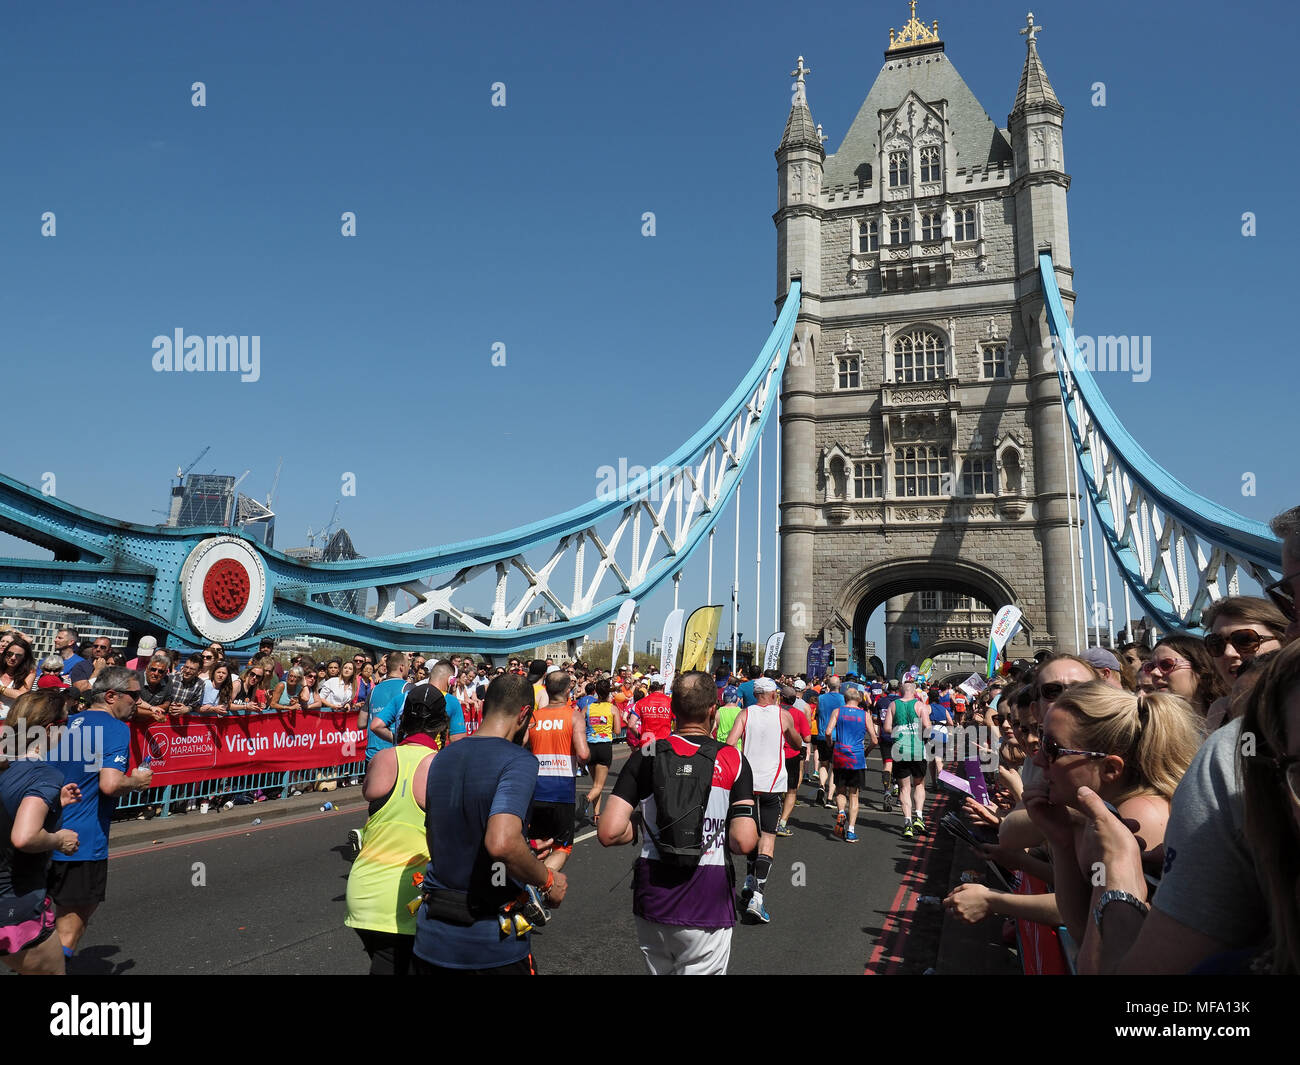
(1118, 896)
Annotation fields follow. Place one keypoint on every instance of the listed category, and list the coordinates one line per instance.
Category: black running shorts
(769, 809)
(601, 753)
(552, 820)
(850, 778)
(78, 884)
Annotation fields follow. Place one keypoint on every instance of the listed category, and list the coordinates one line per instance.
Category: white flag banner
(625, 613)
(1005, 626)
(668, 650)
(772, 655)
(973, 685)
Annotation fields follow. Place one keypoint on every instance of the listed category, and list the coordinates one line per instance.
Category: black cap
(425, 695)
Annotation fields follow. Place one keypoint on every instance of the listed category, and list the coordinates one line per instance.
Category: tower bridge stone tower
(922, 442)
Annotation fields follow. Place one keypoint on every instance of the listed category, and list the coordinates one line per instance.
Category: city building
(922, 443)
(40, 621)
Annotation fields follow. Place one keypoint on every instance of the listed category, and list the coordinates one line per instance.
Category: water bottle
(327, 806)
(257, 820)
(929, 900)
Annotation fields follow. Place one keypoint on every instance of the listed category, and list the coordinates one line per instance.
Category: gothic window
(899, 173)
(964, 223)
(978, 478)
(920, 470)
(919, 356)
(929, 600)
(929, 164)
(839, 479)
(850, 371)
(1012, 474)
(900, 229)
(932, 226)
(867, 481)
(994, 362)
(868, 236)
(953, 601)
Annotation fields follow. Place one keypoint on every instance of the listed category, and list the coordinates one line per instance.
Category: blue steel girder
(1137, 501)
(199, 584)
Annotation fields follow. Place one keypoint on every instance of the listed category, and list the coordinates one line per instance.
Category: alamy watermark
(195, 354)
(1107, 354)
(616, 483)
(84, 746)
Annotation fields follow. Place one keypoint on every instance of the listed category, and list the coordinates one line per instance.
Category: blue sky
(522, 225)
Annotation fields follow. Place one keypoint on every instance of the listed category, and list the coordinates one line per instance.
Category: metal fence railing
(179, 798)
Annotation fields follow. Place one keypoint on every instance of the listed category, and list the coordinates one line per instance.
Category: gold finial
(914, 33)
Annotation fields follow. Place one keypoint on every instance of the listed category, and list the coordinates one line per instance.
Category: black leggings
(390, 952)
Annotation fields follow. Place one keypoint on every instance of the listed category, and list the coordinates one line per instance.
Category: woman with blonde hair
(32, 797)
(1132, 750)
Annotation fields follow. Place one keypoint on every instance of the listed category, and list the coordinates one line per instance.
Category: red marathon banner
(194, 747)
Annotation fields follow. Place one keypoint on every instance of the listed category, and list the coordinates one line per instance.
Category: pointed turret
(800, 129)
(1035, 92)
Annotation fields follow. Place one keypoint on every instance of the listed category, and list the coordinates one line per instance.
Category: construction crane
(274, 484)
(325, 533)
(180, 474)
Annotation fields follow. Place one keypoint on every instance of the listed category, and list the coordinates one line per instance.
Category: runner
(793, 757)
(558, 739)
(603, 723)
(906, 720)
(382, 883)
(880, 716)
(940, 738)
(79, 883)
(827, 703)
(766, 723)
(386, 700)
(651, 717)
(851, 730)
(476, 802)
(727, 714)
(684, 909)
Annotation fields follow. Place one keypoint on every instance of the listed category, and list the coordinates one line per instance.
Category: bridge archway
(873, 585)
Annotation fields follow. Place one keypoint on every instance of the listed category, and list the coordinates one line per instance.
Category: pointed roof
(1035, 90)
(976, 139)
(800, 129)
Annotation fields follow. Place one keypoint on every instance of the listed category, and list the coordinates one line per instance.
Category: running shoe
(919, 825)
(821, 797)
(909, 832)
(850, 836)
(756, 912)
(840, 818)
(750, 886)
(533, 908)
(782, 829)
(829, 804)
(354, 840)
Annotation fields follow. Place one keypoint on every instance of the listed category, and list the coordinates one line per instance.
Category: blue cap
(730, 694)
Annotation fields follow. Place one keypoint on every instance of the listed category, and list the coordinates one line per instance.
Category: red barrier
(193, 748)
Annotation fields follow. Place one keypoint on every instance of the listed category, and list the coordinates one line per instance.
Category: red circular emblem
(225, 589)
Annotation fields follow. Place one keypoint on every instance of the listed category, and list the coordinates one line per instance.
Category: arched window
(920, 355)
(899, 172)
(1012, 474)
(929, 164)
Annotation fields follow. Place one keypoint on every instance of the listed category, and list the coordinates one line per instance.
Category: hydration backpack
(681, 789)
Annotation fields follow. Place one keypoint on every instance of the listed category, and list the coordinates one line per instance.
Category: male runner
(827, 703)
(558, 738)
(764, 724)
(650, 718)
(793, 756)
(851, 730)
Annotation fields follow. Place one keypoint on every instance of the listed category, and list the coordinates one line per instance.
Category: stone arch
(871, 586)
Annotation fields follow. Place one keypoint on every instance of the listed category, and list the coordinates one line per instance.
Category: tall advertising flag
(772, 653)
(877, 666)
(814, 659)
(625, 613)
(1005, 626)
(700, 636)
(668, 650)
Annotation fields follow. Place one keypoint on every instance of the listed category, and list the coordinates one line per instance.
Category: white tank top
(763, 748)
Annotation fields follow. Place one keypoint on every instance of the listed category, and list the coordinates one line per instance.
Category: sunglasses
(14, 654)
(1053, 750)
(1282, 596)
(1052, 691)
(1164, 665)
(135, 695)
(156, 669)
(1246, 641)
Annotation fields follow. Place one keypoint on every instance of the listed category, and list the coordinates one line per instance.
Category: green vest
(726, 719)
(393, 850)
(909, 746)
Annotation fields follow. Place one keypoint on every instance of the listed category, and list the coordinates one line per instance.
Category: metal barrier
(272, 785)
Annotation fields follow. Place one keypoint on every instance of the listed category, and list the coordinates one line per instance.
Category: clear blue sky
(522, 225)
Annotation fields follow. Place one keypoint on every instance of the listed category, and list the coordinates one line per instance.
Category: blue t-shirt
(386, 703)
(457, 714)
(95, 740)
(586, 701)
(21, 873)
(827, 704)
(850, 734)
(747, 693)
(468, 783)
